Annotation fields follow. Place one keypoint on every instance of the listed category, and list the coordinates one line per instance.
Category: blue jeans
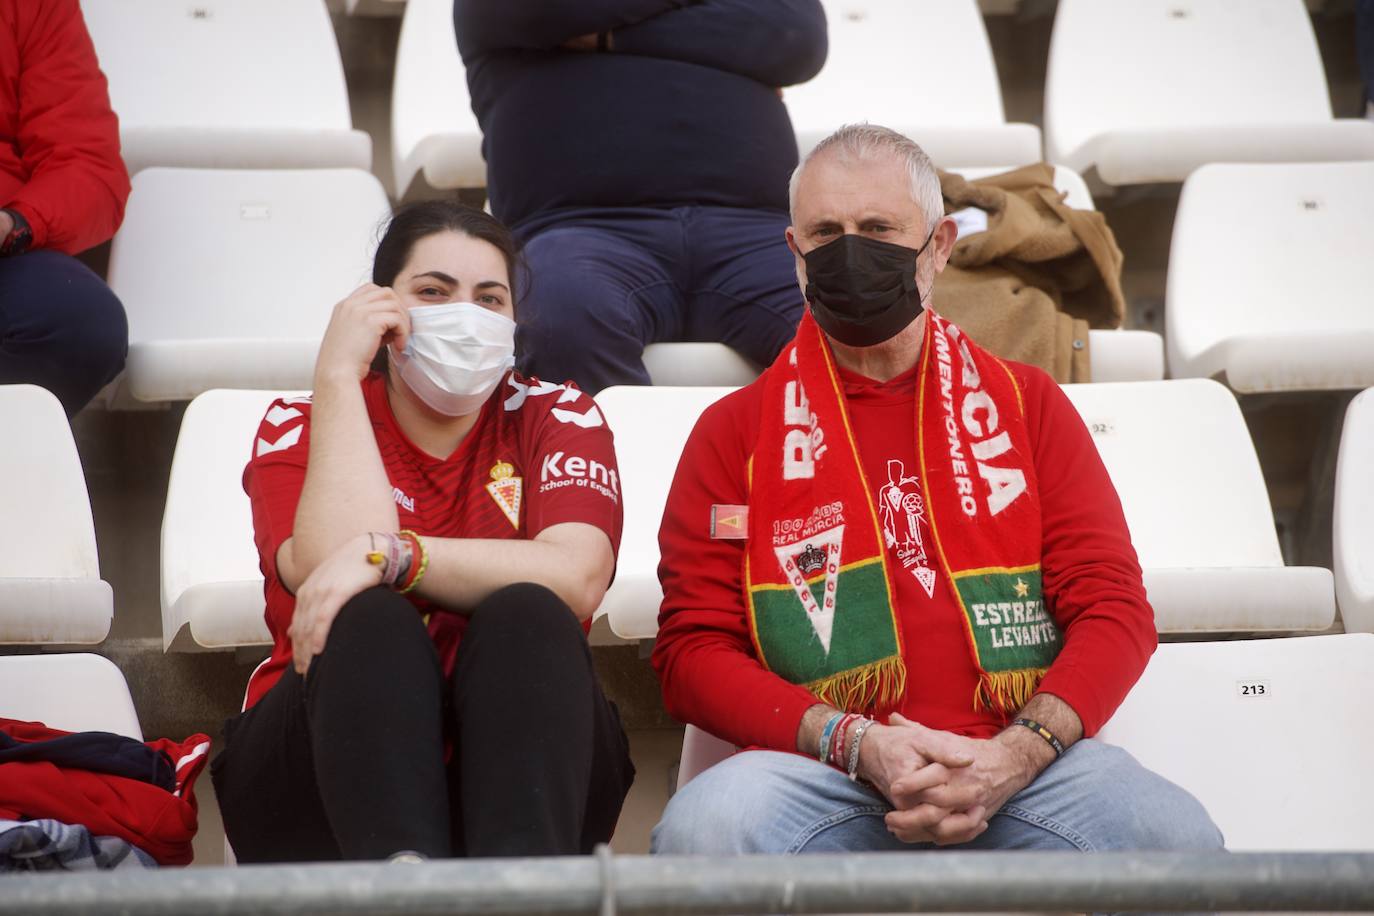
(61, 327)
(605, 283)
(1095, 797)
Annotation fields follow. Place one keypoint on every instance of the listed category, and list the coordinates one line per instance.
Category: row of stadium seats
(1205, 714)
(228, 277)
(1243, 82)
(259, 83)
(1178, 452)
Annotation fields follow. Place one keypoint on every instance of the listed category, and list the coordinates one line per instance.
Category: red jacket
(59, 165)
(159, 822)
(704, 653)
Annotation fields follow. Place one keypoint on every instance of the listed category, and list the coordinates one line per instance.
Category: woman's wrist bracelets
(402, 558)
(418, 568)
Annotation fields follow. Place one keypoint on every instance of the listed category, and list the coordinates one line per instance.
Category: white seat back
(433, 131)
(1354, 520)
(886, 63)
(229, 277)
(1182, 461)
(1270, 277)
(697, 365)
(50, 586)
(1242, 82)
(651, 425)
(1213, 718)
(76, 693)
(1204, 715)
(226, 83)
(1183, 464)
(212, 593)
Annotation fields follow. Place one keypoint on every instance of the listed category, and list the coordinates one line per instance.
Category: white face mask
(456, 355)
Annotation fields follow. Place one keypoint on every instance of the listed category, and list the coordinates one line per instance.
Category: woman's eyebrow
(436, 274)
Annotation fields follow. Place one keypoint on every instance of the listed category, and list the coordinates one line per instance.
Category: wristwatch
(19, 238)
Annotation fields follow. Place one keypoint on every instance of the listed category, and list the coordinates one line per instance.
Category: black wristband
(603, 41)
(1043, 732)
(19, 238)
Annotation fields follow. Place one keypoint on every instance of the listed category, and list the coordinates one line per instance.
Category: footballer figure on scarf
(930, 677)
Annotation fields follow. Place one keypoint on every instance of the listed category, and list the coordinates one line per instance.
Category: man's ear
(791, 236)
(946, 234)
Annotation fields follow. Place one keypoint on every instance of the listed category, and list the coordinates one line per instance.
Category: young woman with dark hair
(434, 537)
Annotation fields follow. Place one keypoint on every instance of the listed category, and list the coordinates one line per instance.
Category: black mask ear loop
(917, 259)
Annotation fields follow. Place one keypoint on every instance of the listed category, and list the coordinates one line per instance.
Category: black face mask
(862, 291)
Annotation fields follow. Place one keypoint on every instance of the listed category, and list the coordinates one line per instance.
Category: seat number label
(1253, 688)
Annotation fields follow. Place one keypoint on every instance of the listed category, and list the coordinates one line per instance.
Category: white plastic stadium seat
(229, 277)
(891, 62)
(1270, 277)
(697, 364)
(1204, 716)
(1222, 719)
(701, 750)
(651, 425)
(226, 83)
(433, 128)
(1354, 521)
(75, 692)
(211, 586)
(50, 586)
(1185, 468)
(1076, 193)
(1148, 90)
(1117, 356)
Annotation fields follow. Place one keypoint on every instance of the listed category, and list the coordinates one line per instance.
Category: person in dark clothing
(640, 149)
(62, 190)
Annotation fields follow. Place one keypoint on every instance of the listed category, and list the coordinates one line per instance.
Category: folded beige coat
(1030, 285)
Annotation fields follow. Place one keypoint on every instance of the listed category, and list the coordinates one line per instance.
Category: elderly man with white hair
(896, 572)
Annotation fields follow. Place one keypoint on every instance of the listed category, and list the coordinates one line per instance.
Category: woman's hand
(345, 573)
(370, 317)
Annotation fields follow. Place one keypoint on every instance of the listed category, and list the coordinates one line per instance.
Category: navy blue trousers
(606, 282)
(1364, 44)
(60, 327)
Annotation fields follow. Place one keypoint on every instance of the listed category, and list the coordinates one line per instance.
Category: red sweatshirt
(159, 822)
(704, 655)
(60, 166)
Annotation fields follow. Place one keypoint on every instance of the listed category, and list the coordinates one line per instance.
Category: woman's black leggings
(348, 762)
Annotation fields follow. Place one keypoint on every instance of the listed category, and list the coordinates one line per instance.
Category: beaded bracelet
(1043, 732)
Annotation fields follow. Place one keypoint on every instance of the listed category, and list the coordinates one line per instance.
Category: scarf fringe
(1006, 692)
(878, 685)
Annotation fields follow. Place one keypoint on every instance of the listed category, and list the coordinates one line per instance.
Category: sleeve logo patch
(507, 490)
(729, 523)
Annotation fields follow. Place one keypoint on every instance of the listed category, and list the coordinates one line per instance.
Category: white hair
(868, 141)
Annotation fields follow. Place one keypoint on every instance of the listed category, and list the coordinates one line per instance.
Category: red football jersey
(539, 455)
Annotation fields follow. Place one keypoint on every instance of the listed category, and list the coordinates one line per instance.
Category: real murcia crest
(507, 490)
(802, 559)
